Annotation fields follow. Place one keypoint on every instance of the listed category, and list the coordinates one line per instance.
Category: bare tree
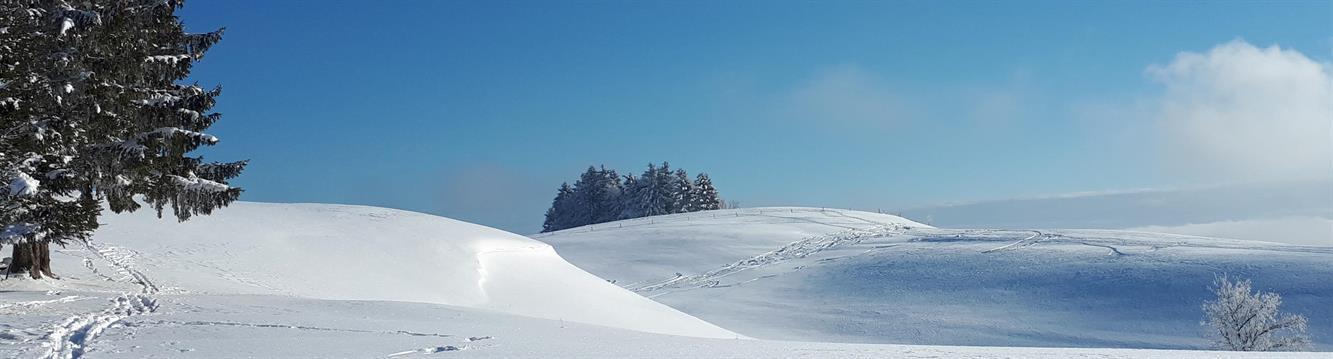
(1241, 319)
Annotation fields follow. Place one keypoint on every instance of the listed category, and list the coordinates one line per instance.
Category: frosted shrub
(1241, 319)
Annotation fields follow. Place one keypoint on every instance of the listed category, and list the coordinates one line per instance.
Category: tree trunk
(35, 258)
(21, 258)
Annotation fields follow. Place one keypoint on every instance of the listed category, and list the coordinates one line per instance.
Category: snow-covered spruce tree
(632, 200)
(650, 194)
(557, 215)
(682, 193)
(704, 197)
(661, 198)
(92, 113)
(605, 199)
(629, 195)
(667, 188)
(580, 212)
(597, 196)
(1241, 319)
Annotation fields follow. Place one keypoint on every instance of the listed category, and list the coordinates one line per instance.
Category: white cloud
(1247, 113)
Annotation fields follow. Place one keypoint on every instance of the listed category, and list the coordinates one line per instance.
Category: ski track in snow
(288, 326)
(122, 260)
(798, 249)
(1030, 240)
(71, 338)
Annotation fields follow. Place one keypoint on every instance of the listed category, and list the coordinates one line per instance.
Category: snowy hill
(369, 253)
(329, 281)
(634, 251)
(848, 276)
(345, 253)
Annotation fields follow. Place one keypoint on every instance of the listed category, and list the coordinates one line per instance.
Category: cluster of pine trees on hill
(600, 195)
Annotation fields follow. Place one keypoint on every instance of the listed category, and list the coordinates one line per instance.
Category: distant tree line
(601, 195)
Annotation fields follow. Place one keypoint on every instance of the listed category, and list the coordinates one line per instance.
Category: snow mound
(345, 252)
(848, 276)
(635, 251)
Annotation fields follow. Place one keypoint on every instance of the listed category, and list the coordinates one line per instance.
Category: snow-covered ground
(847, 276)
(259, 326)
(331, 281)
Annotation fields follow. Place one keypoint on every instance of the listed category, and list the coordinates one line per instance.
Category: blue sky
(478, 110)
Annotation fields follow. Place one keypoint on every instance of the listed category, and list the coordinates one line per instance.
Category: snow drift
(366, 253)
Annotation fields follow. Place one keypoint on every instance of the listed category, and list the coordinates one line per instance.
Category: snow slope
(365, 253)
(824, 277)
(634, 251)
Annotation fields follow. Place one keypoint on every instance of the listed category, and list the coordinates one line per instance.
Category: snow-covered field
(331, 281)
(847, 276)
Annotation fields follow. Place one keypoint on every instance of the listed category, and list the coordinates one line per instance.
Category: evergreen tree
(598, 194)
(682, 193)
(555, 216)
(704, 196)
(651, 194)
(637, 190)
(628, 202)
(581, 212)
(91, 113)
(606, 203)
(663, 197)
(601, 195)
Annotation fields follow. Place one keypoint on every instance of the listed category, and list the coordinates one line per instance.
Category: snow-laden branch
(170, 59)
(23, 185)
(197, 185)
(159, 99)
(135, 145)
